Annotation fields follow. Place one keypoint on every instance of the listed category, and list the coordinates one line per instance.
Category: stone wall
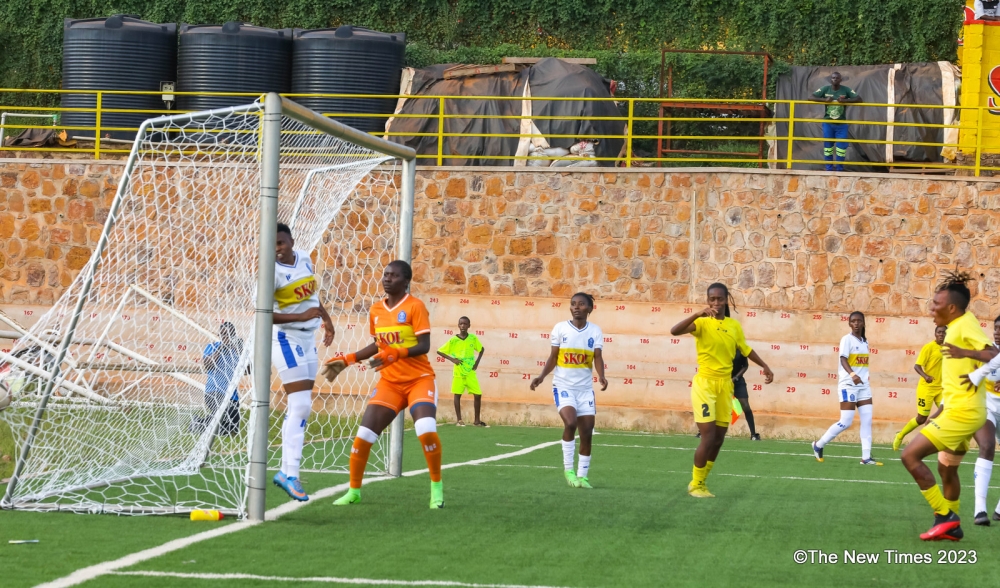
(781, 240)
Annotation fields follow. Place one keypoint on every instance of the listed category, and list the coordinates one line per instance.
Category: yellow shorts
(926, 399)
(712, 400)
(462, 382)
(952, 429)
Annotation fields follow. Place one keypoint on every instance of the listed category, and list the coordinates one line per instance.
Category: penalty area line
(322, 580)
(90, 572)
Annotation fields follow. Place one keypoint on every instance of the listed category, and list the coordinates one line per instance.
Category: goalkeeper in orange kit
(402, 332)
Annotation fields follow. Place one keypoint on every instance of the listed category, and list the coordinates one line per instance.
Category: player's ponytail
(725, 292)
(862, 315)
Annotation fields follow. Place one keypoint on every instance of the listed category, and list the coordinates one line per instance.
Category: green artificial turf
(515, 521)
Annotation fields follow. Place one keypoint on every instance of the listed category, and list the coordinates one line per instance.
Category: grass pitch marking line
(800, 478)
(90, 572)
(884, 459)
(739, 451)
(323, 580)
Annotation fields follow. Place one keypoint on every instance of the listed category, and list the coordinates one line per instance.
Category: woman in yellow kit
(948, 434)
(717, 337)
(928, 366)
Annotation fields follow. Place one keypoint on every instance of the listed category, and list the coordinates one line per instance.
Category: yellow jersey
(717, 342)
(966, 333)
(929, 360)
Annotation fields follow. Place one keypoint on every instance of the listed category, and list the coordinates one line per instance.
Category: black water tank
(118, 53)
(234, 57)
(348, 60)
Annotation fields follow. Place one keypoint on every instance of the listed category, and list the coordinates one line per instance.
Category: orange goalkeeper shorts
(399, 396)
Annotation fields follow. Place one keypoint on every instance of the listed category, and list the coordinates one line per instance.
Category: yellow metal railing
(99, 132)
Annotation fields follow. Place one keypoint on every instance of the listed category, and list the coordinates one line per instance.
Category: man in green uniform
(834, 124)
(461, 350)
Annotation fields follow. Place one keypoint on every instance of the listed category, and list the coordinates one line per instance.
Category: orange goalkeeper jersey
(399, 327)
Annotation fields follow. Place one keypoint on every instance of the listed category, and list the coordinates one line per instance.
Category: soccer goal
(111, 406)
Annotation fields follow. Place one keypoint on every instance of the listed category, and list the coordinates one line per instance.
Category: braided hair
(725, 292)
(955, 284)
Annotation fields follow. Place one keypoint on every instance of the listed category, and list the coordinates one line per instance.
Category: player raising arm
(964, 411)
(402, 332)
(297, 315)
(717, 337)
(928, 366)
(576, 347)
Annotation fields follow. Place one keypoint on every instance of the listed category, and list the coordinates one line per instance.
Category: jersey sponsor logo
(296, 292)
(581, 359)
(858, 360)
(401, 317)
(305, 290)
(390, 337)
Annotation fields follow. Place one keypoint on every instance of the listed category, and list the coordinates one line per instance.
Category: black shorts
(740, 389)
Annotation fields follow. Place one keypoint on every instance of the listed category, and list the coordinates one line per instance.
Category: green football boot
(437, 494)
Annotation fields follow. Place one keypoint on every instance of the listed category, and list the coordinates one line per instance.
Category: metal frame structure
(274, 108)
(757, 111)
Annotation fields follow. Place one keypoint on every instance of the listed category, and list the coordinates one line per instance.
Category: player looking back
(928, 366)
(297, 315)
(576, 347)
(964, 408)
(717, 337)
(855, 391)
(402, 332)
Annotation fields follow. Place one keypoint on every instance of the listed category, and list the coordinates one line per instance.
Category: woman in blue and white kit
(853, 390)
(576, 348)
(297, 315)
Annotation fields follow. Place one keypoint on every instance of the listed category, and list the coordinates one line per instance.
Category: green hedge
(624, 34)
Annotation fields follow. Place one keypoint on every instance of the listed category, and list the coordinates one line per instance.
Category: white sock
(569, 451)
(866, 431)
(984, 469)
(846, 418)
(584, 466)
(299, 405)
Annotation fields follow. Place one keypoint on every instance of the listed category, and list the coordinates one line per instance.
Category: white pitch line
(800, 478)
(884, 459)
(323, 580)
(725, 450)
(90, 572)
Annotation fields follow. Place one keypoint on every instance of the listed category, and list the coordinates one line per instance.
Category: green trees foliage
(624, 35)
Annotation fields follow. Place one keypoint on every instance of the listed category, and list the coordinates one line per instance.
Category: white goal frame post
(274, 109)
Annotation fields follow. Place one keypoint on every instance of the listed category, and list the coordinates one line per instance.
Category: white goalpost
(115, 403)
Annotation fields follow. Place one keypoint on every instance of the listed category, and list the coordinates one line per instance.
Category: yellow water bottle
(205, 515)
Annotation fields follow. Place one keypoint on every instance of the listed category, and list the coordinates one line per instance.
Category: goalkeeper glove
(388, 355)
(338, 363)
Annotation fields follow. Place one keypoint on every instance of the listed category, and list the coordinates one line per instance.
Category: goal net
(140, 416)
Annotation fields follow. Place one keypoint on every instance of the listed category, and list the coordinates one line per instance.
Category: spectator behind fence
(835, 125)
(221, 360)
(987, 9)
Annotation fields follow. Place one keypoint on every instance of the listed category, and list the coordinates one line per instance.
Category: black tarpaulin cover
(912, 83)
(547, 78)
